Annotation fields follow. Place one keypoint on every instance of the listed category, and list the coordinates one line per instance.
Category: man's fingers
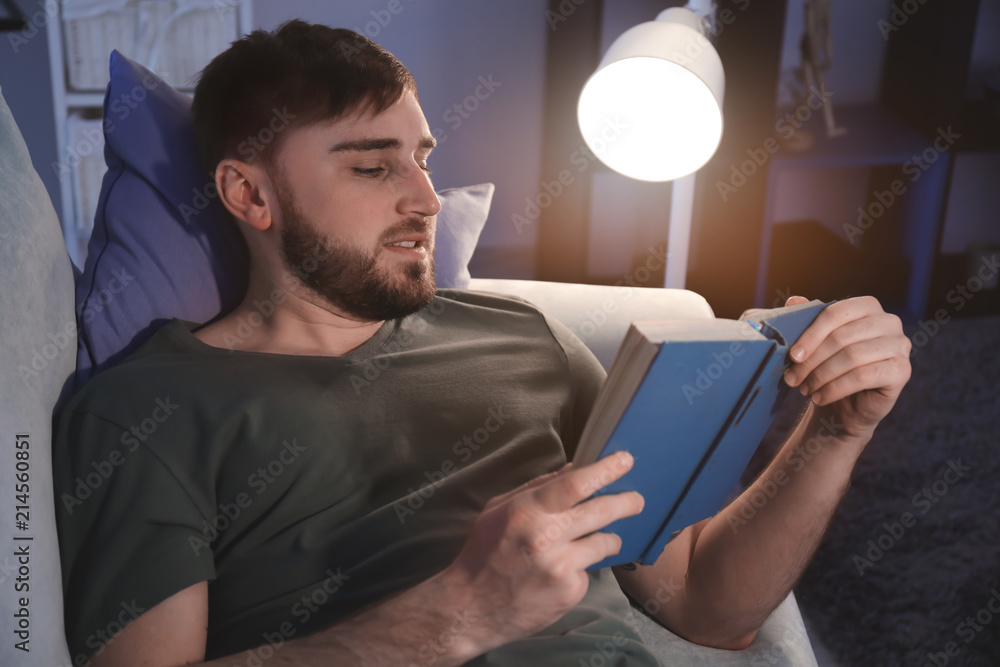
(791, 301)
(859, 342)
(565, 491)
(832, 318)
(857, 356)
(592, 549)
(595, 514)
(870, 326)
(887, 374)
(844, 361)
(568, 528)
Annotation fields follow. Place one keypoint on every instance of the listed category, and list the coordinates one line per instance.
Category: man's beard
(347, 276)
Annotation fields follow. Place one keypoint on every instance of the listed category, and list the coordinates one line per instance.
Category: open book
(690, 400)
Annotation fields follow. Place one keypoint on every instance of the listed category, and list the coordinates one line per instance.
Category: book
(691, 401)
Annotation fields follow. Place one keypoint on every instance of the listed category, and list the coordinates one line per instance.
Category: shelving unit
(876, 138)
(80, 163)
(936, 75)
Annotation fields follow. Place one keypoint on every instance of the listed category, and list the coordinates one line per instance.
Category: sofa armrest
(781, 642)
(600, 314)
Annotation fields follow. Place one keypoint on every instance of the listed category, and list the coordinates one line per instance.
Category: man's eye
(427, 169)
(369, 173)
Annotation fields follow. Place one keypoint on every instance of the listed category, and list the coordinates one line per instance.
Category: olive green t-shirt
(306, 487)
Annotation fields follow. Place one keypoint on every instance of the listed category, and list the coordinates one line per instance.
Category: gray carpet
(924, 582)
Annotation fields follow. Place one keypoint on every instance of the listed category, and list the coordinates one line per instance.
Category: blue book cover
(695, 398)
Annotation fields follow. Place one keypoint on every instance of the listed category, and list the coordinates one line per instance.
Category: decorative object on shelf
(653, 111)
(11, 18)
(817, 52)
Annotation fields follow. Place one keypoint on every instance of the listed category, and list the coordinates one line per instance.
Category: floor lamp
(661, 82)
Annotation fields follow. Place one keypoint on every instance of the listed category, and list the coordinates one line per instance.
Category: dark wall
(729, 229)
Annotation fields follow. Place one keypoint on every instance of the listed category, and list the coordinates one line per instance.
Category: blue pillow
(162, 246)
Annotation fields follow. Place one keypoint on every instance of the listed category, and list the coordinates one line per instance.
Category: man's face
(357, 211)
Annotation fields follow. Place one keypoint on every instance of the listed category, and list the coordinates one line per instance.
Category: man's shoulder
(497, 301)
(138, 376)
(491, 314)
(488, 312)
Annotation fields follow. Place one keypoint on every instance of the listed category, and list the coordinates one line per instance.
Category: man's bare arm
(511, 579)
(174, 632)
(719, 580)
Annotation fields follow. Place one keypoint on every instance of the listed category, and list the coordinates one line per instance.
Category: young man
(283, 511)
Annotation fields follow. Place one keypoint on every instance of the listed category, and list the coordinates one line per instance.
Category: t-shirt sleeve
(586, 374)
(130, 535)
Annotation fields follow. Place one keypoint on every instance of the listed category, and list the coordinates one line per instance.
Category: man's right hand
(524, 565)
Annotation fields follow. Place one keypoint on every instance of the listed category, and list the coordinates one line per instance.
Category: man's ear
(245, 192)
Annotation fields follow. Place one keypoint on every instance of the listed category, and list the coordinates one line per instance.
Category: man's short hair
(298, 74)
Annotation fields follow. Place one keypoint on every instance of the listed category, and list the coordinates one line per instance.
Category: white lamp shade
(653, 108)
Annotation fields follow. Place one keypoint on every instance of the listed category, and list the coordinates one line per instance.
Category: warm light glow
(649, 118)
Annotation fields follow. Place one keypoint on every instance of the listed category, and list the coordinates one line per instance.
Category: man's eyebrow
(362, 145)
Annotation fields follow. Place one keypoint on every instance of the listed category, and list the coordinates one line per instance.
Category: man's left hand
(852, 362)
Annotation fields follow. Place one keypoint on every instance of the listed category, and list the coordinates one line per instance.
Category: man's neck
(287, 319)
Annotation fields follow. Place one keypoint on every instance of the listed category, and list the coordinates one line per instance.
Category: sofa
(39, 312)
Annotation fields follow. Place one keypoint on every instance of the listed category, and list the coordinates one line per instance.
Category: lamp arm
(704, 10)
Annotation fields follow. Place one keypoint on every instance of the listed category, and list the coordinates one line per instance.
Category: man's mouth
(410, 239)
